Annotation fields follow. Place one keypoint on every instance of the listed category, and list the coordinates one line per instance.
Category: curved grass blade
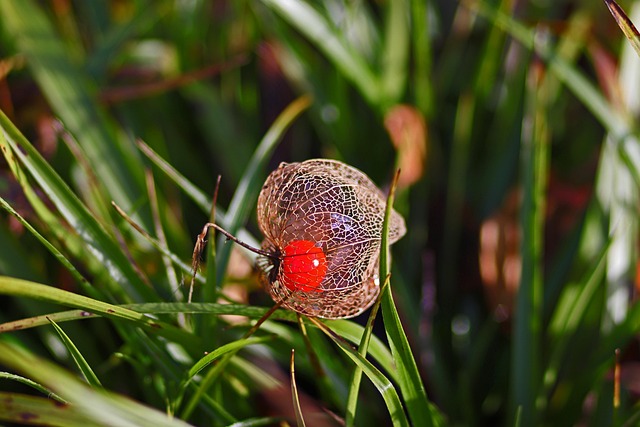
(80, 361)
(32, 384)
(51, 248)
(363, 348)
(247, 191)
(382, 383)
(315, 27)
(21, 408)
(28, 289)
(99, 407)
(98, 242)
(420, 410)
(194, 193)
(618, 125)
(233, 346)
(625, 24)
(71, 93)
(294, 392)
(567, 318)
(353, 332)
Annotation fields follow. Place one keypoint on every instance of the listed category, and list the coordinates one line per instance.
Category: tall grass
(508, 297)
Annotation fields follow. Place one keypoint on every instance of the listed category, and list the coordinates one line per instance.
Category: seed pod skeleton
(322, 222)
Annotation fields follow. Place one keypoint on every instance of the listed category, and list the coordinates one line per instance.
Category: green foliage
(116, 118)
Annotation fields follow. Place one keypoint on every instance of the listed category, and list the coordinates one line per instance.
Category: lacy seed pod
(322, 222)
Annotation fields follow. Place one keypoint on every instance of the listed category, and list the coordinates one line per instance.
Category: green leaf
(37, 291)
(420, 410)
(382, 383)
(246, 193)
(233, 346)
(22, 408)
(32, 384)
(93, 407)
(98, 243)
(73, 96)
(315, 27)
(625, 24)
(294, 393)
(80, 361)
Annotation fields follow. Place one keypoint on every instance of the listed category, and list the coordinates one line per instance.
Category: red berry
(304, 266)
(322, 222)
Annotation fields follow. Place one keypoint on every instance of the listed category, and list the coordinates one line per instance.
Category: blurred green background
(515, 125)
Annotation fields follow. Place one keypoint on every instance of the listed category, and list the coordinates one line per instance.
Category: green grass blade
(415, 397)
(527, 332)
(625, 24)
(51, 248)
(73, 97)
(32, 384)
(27, 289)
(22, 408)
(567, 318)
(294, 393)
(382, 383)
(100, 407)
(314, 26)
(80, 361)
(363, 348)
(98, 242)
(353, 332)
(233, 346)
(247, 191)
(194, 193)
(395, 57)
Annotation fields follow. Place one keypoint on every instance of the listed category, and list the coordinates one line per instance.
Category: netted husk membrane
(339, 209)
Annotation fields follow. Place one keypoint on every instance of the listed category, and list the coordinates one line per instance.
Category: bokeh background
(515, 125)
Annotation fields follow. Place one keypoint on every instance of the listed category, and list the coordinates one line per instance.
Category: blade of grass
(21, 408)
(32, 384)
(211, 357)
(363, 348)
(567, 317)
(420, 410)
(625, 24)
(213, 309)
(100, 244)
(201, 199)
(100, 407)
(377, 349)
(395, 53)
(51, 248)
(294, 392)
(71, 93)
(314, 26)
(247, 191)
(382, 383)
(527, 341)
(78, 358)
(27, 289)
